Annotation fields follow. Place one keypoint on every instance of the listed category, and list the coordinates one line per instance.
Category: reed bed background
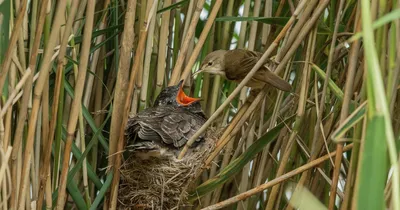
(72, 71)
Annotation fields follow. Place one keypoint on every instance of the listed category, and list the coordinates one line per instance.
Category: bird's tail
(273, 79)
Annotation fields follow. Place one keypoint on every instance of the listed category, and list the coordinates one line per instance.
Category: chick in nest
(162, 130)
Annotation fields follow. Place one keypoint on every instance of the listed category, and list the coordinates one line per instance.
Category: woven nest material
(162, 183)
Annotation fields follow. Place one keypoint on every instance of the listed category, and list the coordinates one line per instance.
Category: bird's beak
(216, 72)
(198, 72)
(182, 98)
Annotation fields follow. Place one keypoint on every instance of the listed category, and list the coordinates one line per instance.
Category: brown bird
(163, 129)
(236, 64)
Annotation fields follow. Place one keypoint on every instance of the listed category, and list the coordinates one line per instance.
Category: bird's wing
(146, 125)
(180, 125)
(239, 62)
(244, 61)
(171, 126)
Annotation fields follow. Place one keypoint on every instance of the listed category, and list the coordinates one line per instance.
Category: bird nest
(162, 183)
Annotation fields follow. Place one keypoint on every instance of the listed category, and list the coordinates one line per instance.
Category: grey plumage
(165, 127)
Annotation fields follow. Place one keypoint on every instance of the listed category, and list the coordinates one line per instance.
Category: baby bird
(160, 131)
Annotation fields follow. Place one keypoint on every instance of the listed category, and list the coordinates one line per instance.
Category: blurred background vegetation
(72, 71)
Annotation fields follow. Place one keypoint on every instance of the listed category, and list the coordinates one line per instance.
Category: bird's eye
(210, 63)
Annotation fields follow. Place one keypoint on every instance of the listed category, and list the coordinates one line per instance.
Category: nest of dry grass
(162, 183)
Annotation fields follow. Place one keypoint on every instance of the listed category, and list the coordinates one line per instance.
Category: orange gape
(183, 99)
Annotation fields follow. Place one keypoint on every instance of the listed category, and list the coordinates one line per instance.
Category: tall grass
(72, 71)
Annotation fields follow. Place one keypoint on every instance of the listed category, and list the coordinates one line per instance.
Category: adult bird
(160, 131)
(236, 64)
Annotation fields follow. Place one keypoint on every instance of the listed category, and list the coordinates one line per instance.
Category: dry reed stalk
(87, 96)
(348, 93)
(144, 10)
(134, 70)
(243, 25)
(5, 66)
(5, 128)
(43, 172)
(282, 165)
(339, 147)
(273, 27)
(266, 27)
(253, 27)
(162, 48)
(49, 202)
(7, 120)
(259, 176)
(301, 35)
(42, 139)
(121, 85)
(241, 44)
(147, 59)
(199, 45)
(17, 149)
(228, 156)
(225, 138)
(246, 180)
(98, 117)
(251, 46)
(314, 155)
(245, 80)
(226, 40)
(46, 61)
(185, 45)
(235, 126)
(76, 103)
(275, 181)
(4, 164)
(5, 178)
(188, 18)
(224, 44)
(14, 92)
(304, 17)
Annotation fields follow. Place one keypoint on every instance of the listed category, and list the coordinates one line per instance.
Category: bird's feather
(239, 62)
(165, 125)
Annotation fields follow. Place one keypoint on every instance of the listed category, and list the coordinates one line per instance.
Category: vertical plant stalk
(301, 35)
(309, 57)
(76, 103)
(162, 48)
(339, 147)
(5, 66)
(46, 61)
(379, 104)
(244, 81)
(121, 86)
(147, 59)
(86, 98)
(98, 118)
(199, 45)
(266, 27)
(59, 72)
(21, 123)
(305, 16)
(348, 93)
(134, 70)
(245, 182)
(144, 9)
(184, 48)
